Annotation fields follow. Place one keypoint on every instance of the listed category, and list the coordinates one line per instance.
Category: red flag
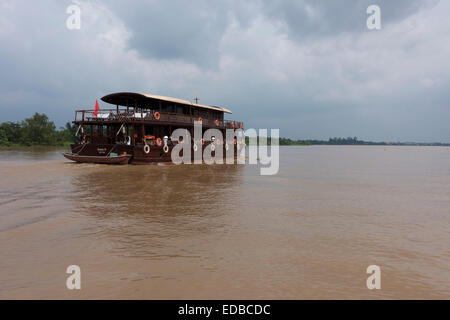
(96, 108)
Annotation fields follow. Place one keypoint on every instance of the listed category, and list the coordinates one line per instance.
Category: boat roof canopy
(130, 98)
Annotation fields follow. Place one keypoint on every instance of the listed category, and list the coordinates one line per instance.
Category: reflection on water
(142, 207)
(224, 231)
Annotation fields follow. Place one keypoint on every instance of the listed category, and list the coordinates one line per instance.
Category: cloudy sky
(310, 68)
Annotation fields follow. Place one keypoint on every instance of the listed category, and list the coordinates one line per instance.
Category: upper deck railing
(148, 117)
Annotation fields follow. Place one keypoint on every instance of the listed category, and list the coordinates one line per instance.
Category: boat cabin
(139, 126)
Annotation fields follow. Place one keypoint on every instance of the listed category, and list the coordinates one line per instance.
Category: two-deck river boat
(139, 128)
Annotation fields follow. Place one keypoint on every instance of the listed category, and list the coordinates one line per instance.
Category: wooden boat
(141, 126)
(124, 159)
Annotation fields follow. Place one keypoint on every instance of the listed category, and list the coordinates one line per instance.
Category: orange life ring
(216, 122)
(157, 115)
(159, 142)
(200, 119)
(203, 141)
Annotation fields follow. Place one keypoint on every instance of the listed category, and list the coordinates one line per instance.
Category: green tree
(3, 137)
(10, 133)
(69, 131)
(38, 130)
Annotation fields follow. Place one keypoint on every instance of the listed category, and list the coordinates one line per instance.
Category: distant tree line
(40, 131)
(345, 141)
(283, 142)
(340, 141)
(36, 131)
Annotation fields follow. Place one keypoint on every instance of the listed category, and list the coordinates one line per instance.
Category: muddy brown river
(225, 231)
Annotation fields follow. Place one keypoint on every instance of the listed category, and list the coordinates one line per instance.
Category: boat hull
(125, 159)
(97, 153)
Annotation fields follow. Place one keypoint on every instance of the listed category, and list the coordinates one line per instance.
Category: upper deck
(136, 108)
(149, 117)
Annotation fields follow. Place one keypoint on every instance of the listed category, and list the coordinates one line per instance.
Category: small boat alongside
(123, 159)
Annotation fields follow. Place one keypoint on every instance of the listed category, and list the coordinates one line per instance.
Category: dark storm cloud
(188, 30)
(312, 19)
(192, 30)
(310, 68)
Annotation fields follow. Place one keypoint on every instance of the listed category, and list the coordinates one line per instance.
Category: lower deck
(145, 154)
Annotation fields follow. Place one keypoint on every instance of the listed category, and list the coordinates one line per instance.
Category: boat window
(149, 131)
(164, 107)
